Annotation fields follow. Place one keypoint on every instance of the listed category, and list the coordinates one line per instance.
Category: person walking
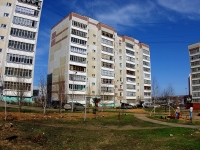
(191, 111)
(178, 112)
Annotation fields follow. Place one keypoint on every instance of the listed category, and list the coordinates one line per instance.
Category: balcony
(132, 73)
(106, 34)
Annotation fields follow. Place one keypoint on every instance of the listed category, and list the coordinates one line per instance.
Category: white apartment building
(194, 53)
(89, 59)
(19, 23)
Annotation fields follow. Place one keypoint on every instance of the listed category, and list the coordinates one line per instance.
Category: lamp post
(73, 91)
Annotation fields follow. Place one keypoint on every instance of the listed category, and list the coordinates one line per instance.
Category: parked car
(56, 104)
(149, 105)
(126, 106)
(77, 106)
(133, 104)
(67, 106)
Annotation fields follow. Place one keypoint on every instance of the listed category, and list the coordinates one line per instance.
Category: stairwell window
(0, 50)
(3, 26)
(6, 15)
(2, 38)
(8, 4)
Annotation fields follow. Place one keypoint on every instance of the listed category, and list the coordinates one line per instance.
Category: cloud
(182, 6)
(118, 14)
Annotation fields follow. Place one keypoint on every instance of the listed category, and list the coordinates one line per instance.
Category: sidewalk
(144, 118)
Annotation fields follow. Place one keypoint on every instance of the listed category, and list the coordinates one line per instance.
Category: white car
(149, 105)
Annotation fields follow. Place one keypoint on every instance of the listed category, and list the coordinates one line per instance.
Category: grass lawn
(106, 133)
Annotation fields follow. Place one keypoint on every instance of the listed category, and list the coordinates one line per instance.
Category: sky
(167, 26)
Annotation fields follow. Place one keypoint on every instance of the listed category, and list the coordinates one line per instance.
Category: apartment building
(194, 53)
(89, 59)
(19, 23)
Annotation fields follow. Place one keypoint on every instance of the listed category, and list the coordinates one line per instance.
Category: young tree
(21, 91)
(43, 91)
(155, 89)
(60, 90)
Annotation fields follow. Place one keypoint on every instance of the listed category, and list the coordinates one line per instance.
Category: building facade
(89, 59)
(194, 53)
(19, 23)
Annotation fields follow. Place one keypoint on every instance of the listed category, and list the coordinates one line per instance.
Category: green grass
(10, 109)
(61, 134)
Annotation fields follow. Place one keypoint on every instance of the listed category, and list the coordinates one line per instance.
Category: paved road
(143, 117)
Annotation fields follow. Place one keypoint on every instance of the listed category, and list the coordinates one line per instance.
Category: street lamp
(73, 91)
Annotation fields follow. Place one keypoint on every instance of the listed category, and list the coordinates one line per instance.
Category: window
(76, 87)
(25, 22)
(78, 50)
(120, 51)
(108, 42)
(21, 46)
(120, 79)
(107, 65)
(120, 94)
(107, 57)
(129, 45)
(78, 41)
(74, 77)
(94, 35)
(120, 86)
(130, 93)
(15, 58)
(93, 75)
(17, 85)
(93, 67)
(120, 64)
(94, 43)
(93, 58)
(18, 72)
(93, 51)
(79, 25)
(120, 72)
(130, 86)
(106, 81)
(93, 92)
(130, 66)
(128, 79)
(130, 52)
(8, 4)
(3, 25)
(79, 33)
(107, 73)
(77, 59)
(6, 15)
(22, 33)
(120, 43)
(0, 49)
(120, 57)
(107, 49)
(128, 58)
(1, 37)
(93, 83)
(26, 11)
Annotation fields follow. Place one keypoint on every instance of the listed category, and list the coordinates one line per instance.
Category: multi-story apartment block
(93, 60)
(19, 23)
(194, 53)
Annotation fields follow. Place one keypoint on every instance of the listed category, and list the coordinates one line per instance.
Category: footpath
(144, 118)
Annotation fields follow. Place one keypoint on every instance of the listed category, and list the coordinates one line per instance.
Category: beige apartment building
(19, 23)
(194, 53)
(89, 59)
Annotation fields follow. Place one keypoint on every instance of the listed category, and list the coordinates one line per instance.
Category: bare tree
(61, 90)
(43, 91)
(155, 89)
(21, 91)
